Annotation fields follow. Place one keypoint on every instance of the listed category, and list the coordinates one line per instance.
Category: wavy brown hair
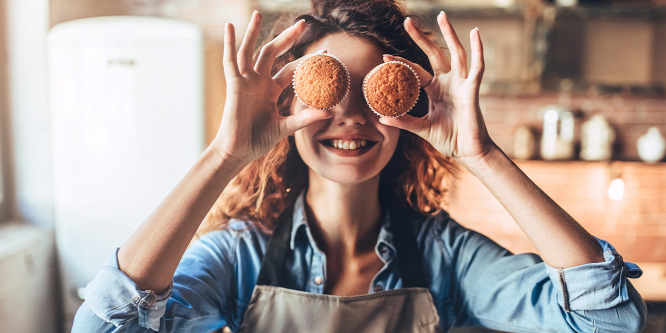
(416, 174)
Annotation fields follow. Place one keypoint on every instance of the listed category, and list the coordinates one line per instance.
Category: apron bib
(276, 308)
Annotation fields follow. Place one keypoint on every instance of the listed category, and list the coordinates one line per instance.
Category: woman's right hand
(250, 124)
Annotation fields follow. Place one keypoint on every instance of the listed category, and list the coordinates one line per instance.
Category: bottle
(651, 146)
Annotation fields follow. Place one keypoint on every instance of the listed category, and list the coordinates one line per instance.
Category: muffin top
(321, 81)
(391, 89)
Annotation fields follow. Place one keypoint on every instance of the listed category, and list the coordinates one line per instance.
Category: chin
(345, 174)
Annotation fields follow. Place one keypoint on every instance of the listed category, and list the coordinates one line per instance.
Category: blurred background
(105, 104)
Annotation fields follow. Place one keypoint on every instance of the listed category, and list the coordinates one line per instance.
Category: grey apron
(275, 308)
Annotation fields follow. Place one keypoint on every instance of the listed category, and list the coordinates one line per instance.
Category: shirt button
(318, 280)
(378, 287)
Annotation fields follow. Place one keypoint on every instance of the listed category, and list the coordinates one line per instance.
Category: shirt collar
(385, 239)
(300, 225)
(299, 220)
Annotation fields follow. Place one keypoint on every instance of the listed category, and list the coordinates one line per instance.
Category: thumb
(413, 124)
(293, 123)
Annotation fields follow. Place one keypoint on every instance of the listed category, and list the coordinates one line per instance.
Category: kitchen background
(570, 90)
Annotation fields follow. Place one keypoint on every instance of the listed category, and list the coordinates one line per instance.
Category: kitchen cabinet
(610, 48)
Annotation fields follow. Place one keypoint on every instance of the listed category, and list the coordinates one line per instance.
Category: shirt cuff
(115, 298)
(594, 286)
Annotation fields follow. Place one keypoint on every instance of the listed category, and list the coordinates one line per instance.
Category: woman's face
(367, 145)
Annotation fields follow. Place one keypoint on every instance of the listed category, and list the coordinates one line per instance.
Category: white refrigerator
(127, 112)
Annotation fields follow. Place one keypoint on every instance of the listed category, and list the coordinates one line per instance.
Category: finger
(458, 56)
(435, 53)
(478, 64)
(284, 77)
(293, 123)
(424, 77)
(277, 46)
(249, 41)
(418, 126)
(229, 58)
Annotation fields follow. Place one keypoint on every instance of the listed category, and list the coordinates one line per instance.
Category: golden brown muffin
(391, 89)
(321, 81)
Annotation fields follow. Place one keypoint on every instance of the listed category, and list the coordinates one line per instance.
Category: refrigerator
(126, 103)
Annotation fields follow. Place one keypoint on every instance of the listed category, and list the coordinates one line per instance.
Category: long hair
(416, 173)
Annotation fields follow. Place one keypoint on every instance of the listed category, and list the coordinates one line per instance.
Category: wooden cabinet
(610, 48)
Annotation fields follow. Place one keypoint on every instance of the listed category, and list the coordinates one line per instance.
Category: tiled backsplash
(634, 224)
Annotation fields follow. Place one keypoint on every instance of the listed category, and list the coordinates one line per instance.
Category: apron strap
(273, 272)
(409, 258)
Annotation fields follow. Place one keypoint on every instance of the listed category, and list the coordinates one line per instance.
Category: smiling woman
(332, 220)
(267, 186)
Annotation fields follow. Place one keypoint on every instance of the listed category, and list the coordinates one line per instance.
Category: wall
(27, 22)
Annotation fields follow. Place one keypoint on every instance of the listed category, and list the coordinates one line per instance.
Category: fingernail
(442, 13)
(382, 120)
(389, 56)
(477, 28)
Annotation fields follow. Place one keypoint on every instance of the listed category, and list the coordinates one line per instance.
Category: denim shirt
(473, 281)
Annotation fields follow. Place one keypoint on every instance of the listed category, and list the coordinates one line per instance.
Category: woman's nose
(352, 109)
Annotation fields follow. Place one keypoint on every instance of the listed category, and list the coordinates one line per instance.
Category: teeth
(349, 144)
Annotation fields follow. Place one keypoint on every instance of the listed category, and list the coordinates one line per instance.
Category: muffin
(391, 89)
(321, 81)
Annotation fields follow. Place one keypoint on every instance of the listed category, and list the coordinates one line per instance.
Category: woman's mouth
(348, 147)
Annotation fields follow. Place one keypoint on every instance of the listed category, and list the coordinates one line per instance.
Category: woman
(313, 238)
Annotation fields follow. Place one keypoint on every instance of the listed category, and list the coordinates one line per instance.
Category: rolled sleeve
(124, 301)
(594, 286)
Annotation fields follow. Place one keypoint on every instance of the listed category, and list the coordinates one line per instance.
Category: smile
(347, 144)
(348, 147)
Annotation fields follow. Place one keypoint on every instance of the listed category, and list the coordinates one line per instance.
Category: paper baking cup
(293, 78)
(372, 72)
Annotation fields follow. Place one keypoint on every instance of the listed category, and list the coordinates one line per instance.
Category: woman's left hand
(454, 124)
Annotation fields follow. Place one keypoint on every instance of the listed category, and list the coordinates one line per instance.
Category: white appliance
(127, 110)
